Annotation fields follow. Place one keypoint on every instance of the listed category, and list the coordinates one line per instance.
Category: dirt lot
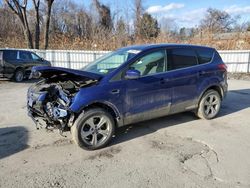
(239, 76)
(175, 151)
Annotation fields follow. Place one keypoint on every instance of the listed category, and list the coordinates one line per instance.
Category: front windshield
(110, 61)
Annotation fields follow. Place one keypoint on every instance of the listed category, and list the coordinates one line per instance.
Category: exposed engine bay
(49, 100)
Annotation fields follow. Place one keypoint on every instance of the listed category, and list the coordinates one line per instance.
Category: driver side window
(35, 57)
(151, 63)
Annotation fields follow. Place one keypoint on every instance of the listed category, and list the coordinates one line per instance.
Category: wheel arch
(109, 108)
(19, 68)
(215, 87)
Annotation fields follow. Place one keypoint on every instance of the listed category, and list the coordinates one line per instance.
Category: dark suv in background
(17, 64)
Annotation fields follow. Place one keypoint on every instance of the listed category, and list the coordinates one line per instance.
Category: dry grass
(110, 42)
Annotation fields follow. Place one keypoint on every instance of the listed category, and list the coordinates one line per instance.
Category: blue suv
(130, 85)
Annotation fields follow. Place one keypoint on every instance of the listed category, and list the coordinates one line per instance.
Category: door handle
(115, 91)
(202, 73)
(162, 80)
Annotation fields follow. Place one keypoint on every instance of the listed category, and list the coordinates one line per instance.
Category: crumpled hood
(48, 72)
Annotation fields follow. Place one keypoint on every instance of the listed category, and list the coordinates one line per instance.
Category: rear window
(204, 55)
(181, 58)
(10, 55)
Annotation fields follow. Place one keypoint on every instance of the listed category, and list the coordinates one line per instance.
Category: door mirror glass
(132, 74)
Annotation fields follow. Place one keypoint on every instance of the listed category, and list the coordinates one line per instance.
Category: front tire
(209, 105)
(93, 129)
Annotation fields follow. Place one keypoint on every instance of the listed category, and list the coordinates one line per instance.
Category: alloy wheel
(96, 130)
(211, 105)
(19, 76)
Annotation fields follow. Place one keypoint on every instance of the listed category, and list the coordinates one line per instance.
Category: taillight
(222, 66)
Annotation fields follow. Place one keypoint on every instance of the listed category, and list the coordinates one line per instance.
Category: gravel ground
(174, 151)
(239, 76)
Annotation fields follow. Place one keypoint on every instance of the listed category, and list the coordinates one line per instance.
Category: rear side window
(25, 55)
(181, 58)
(204, 55)
(10, 55)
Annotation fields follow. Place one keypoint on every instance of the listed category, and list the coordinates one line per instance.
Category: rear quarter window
(10, 55)
(204, 55)
(181, 58)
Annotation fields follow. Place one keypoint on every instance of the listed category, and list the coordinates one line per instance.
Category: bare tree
(104, 13)
(84, 23)
(149, 27)
(37, 24)
(138, 16)
(217, 21)
(121, 26)
(10, 25)
(248, 27)
(20, 9)
(47, 23)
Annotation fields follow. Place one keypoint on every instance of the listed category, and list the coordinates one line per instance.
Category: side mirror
(132, 74)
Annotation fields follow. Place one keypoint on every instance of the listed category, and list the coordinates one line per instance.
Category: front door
(150, 95)
(25, 60)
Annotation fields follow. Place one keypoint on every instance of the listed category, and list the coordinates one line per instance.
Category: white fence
(74, 59)
(236, 60)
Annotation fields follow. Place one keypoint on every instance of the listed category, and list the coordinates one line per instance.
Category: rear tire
(93, 129)
(209, 105)
(19, 75)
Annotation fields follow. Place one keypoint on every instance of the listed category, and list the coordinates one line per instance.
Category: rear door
(206, 69)
(182, 67)
(9, 61)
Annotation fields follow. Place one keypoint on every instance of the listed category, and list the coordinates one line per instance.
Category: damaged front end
(49, 100)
